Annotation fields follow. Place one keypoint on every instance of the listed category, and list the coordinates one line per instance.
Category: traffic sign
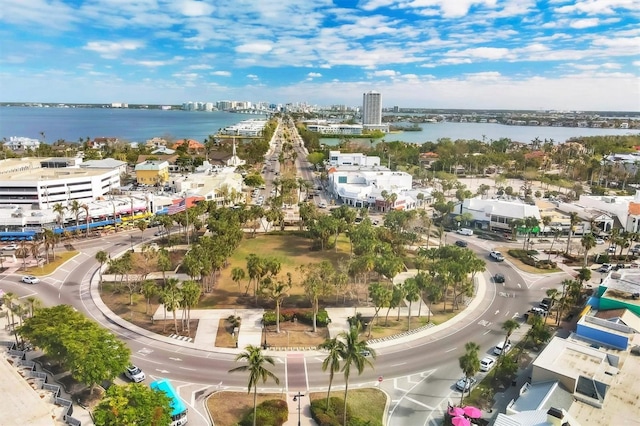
(380, 379)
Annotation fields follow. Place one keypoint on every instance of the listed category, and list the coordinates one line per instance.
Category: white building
(336, 129)
(39, 183)
(247, 128)
(361, 186)
(625, 208)
(212, 183)
(16, 143)
(336, 158)
(495, 214)
(371, 108)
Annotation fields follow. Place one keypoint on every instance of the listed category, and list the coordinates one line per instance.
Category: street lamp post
(264, 331)
(131, 238)
(296, 398)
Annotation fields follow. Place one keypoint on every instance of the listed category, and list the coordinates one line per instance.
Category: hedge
(272, 412)
(526, 257)
(303, 315)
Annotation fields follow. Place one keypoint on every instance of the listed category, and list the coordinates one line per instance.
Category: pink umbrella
(455, 411)
(460, 421)
(473, 412)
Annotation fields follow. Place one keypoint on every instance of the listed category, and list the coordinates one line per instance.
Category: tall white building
(372, 108)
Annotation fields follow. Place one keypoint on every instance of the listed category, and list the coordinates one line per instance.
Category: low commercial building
(620, 290)
(496, 214)
(336, 158)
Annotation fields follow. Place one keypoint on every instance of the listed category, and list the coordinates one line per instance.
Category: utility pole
(296, 398)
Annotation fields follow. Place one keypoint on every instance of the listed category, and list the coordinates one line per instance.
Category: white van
(465, 231)
(502, 347)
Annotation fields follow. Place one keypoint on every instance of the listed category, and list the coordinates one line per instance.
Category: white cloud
(314, 75)
(385, 73)
(252, 76)
(112, 49)
(194, 8)
(584, 23)
(255, 48)
(222, 73)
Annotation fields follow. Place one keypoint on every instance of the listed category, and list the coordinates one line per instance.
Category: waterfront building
(336, 158)
(19, 143)
(152, 172)
(336, 129)
(246, 128)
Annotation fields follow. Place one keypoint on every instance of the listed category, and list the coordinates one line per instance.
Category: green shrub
(269, 318)
(322, 318)
(331, 417)
(272, 412)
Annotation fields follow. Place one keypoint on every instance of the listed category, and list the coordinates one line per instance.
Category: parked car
(465, 383)
(606, 267)
(322, 205)
(159, 234)
(10, 247)
(487, 363)
(465, 231)
(547, 303)
(539, 311)
(501, 347)
(135, 374)
(496, 255)
(461, 243)
(611, 249)
(498, 278)
(599, 241)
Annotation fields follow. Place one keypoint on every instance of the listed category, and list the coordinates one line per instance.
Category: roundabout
(419, 370)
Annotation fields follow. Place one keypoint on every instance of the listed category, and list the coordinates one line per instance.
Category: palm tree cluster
(17, 310)
(345, 352)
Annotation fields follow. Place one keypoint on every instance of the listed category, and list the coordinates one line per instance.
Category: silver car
(135, 374)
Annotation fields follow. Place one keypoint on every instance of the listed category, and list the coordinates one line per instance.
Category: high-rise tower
(371, 109)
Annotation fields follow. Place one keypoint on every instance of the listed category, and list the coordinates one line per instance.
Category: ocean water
(133, 125)
(138, 125)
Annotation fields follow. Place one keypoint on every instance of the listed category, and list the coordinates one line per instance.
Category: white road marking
(506, 313)
(28, 295)
(398, 365)
(497, 312)
(450, 350)
(185, 368)
(486, 332)
(162, 371)
(418, 403)
(175, 359)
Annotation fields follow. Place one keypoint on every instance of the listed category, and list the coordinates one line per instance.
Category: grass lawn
(224, 338)
(379, 329)
(292, 251)
(227, 408)
(51, 267)
(367, 404)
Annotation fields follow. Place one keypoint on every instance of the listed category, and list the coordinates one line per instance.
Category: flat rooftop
(622, 285)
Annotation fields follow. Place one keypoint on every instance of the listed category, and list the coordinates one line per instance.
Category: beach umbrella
(460, 421)
(473, 412)
(455, 411)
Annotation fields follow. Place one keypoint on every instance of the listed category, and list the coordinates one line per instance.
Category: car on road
(599, 241)
(612, 249)
(10, 247)
(498, 278)
(135, 374)
(30, 279)
(322, 205)
(501, 347)
(465, 231)
(465, 383)
(461, 243)
(159, 234)
(487, 363)
(496, 255)
(365, 353)
(606, 267)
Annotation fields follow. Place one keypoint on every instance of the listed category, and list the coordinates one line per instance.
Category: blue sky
(519, 54)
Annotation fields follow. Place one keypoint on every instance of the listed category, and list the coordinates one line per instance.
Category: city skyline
(475, 54)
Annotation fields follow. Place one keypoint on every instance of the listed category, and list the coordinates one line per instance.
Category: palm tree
(75, 208)
(509, 326)
(142, 225)
(85, 207)
(412, 294)
(553, 293)
(59, 210)
(191, 292)
(332, 361)
(256, 361)
(238, 274)
(469, 363)
(588, 241)
(171, 299)
(353, 352)
(102, 257)
(148, 290)
(573, 220)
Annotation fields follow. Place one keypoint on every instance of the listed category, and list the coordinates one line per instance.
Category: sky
(478, 54)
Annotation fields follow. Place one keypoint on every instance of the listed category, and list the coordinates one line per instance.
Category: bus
(178, 409)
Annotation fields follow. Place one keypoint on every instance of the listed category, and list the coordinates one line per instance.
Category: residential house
(19, 143)
(169, 158)
(427, 159)
(193, 146)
